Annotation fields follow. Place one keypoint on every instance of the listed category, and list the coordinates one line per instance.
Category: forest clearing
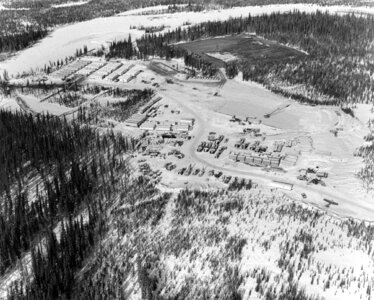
(247, 47)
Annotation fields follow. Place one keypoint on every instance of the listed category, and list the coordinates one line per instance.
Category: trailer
(281, 185)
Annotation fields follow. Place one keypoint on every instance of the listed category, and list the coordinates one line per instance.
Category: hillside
(226, 245)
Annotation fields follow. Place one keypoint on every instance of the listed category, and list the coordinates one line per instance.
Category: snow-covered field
(8, 104)
(2, 7)
(226, 57)
(65, 40)
(68, 4)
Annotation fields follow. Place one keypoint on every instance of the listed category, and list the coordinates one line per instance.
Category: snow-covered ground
(65, 40)
(2, 7)
(8, 104)
(226, 57)
(68, 4)
(147, 10)
(36, 106)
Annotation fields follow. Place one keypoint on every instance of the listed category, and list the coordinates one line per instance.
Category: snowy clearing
(226, 57)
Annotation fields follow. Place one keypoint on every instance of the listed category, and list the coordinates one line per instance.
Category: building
(188, 121)
(257, 160)
(163, 127)
(118, 72)
(266, 162)
(148, 126)
(241, 158)
(136, 120)
(281, 185)
(233, 156)
(322, 174)
(289, 143)
(182, 128)
(249, 160)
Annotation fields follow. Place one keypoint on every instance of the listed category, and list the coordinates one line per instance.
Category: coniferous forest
(79, 222)
(338, 50)
(56, 180)
(16, 32)
(20, 40)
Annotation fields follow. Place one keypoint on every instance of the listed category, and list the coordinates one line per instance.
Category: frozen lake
(63, 41)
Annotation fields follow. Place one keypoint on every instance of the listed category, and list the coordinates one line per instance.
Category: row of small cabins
(98, 70)
(92, 67)
(70, 69)
(104, 71)
(260, 161)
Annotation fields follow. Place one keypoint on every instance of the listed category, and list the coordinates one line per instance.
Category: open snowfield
(36, 106)
(63, 41)
(68, 4)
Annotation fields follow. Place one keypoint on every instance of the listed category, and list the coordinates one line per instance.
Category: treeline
(34, 4)
(366, 173)
(119, 110)
(17, 41)
(50, 170)
(38, 144)
(337, 63)
(41, 12)
(153, 45)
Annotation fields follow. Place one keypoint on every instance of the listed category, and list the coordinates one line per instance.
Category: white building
(136, 120)
(188, 121)
(281, 185)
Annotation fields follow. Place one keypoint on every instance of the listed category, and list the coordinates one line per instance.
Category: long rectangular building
(136, 120)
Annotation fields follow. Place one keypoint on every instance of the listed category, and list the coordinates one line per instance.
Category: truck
(213, 150)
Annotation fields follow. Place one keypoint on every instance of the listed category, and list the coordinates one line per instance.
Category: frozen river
(63, 41)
